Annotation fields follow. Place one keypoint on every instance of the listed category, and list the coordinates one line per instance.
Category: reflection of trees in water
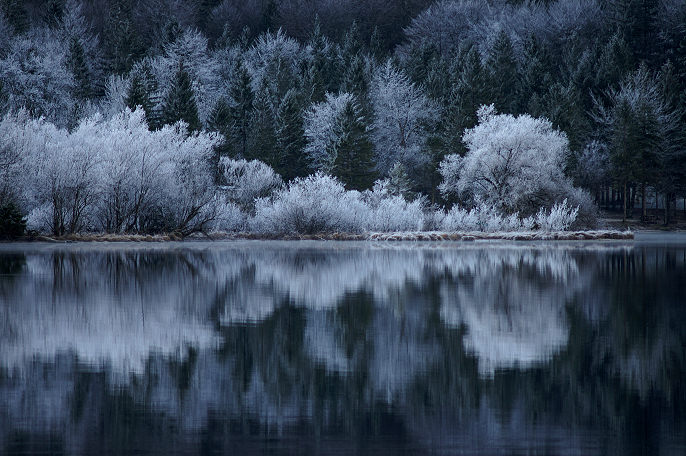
(408, 329)
(513, 309)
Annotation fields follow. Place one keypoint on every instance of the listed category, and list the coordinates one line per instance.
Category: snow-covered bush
(113, 175)
(559, 218)
(389, 212)
(314, 204)
(227, 216)
(484, 217)
(246, 181)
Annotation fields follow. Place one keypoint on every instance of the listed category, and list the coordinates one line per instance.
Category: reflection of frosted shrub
(314, 204)
(560, 217)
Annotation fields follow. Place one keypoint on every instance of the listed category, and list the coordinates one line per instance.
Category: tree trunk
(643, 200)
(666, 208)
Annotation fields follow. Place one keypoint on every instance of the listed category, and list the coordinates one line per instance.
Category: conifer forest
(306, 116)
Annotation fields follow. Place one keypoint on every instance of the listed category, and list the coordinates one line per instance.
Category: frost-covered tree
(314, 204)
(34, 75)
(191, 49)
(275, 61)
(513, 163)
(402, 115)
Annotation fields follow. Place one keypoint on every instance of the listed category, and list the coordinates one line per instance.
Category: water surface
(257, 347)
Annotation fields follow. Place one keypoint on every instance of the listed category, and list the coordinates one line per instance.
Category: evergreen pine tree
(180, 101)
(122, 44)
(469, 91)
(241, 111)
(352, 45)
(536, 78)
(614, 63)
(354, 164)
(52, 15)
(399, 182)
(143, 92)
(317, 73)
(502, 68)
(219, 121)
(16, 15)
(355, 79)
(375, 45)
(12, 222)
(290, 137)
(262, 130)
(79, 69)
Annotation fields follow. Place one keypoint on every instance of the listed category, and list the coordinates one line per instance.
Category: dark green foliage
(12, 222)
(241, 111)
(290, 137)
(180, 101)
(399, 182)
(536, 78)
(355, 79)
(354, 164)
(637, 22)
(319, 71)
(262, 130)
(143, 92)
(53, 13)
(270, 15)
(503, 74)
(16, 15)
(78, 66)
(122, 43)
(469, 90)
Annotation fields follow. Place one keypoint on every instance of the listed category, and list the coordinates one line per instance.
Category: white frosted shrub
(388, 212)
(484, 217)
(247, 181)
(314, 204)
(228, 216)
(560, 217)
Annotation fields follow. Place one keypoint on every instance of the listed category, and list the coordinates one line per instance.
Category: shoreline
(467, 236)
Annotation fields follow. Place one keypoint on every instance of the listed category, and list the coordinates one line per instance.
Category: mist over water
(322, 347)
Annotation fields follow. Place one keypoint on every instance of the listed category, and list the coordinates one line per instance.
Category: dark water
(333, 348)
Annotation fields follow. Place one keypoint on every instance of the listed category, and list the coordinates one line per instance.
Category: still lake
(270, 347)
